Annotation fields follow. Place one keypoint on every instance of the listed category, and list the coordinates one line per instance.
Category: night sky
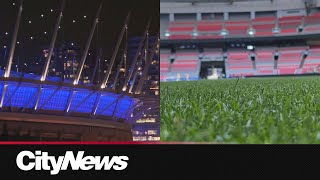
(76, 23)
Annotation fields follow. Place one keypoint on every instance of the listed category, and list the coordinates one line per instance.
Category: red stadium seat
(185, 61)
(181, 23)
(209, 37)
(264, 33)
(239, 22)
(162, 77)
(231, 28)
(287, 18)
(288, 31)
(263, 26)
(265, 72)
(264, 19)
(287, 71)
(240, 67)
(180, 36)
(289, 24)
(179, 29)
(209, 27)
(312, 29)
(238, 55)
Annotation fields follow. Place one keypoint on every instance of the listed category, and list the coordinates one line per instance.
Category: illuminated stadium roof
(27, 95)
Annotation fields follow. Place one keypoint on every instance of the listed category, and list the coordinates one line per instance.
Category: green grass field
(260, 110)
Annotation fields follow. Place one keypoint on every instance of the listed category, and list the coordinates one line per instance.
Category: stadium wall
(275, 5)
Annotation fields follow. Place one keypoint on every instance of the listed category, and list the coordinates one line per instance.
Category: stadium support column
(253, 59)
(53, 41)
(115, 52)
(252, 14)
(226, 16)
(11, 53)
(85, 53)
(123, 57)
(133, 63)
(4, 91)
(134, 77)
(171, 17)
(96, 104)
(72, 92)
(146, 68)
(98, 58)
(199, 17)
(275, 65)
(303, 58)
(38, 98)
(14, 40)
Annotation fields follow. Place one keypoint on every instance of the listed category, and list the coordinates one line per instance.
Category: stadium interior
(237, 38)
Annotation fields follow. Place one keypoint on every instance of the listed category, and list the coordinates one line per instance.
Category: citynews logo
(42, 161)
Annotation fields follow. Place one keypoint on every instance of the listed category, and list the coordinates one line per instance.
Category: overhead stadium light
(194, 33)
(224, 32)
(167, 34)
(251, 31)
(276, 30)
(250, 47)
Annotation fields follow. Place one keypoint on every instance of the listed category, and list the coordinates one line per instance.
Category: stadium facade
(147, 128)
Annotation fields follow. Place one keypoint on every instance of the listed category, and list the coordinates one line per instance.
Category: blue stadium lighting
(55, 98)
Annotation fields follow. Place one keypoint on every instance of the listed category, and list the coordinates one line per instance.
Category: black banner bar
(173, 161)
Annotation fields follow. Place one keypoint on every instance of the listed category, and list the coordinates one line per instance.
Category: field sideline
(255, 110)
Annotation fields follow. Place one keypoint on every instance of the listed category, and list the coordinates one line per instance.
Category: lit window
(152, 132)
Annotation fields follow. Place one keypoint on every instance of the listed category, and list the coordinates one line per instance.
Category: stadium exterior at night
(29, 95)
(40, 107)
